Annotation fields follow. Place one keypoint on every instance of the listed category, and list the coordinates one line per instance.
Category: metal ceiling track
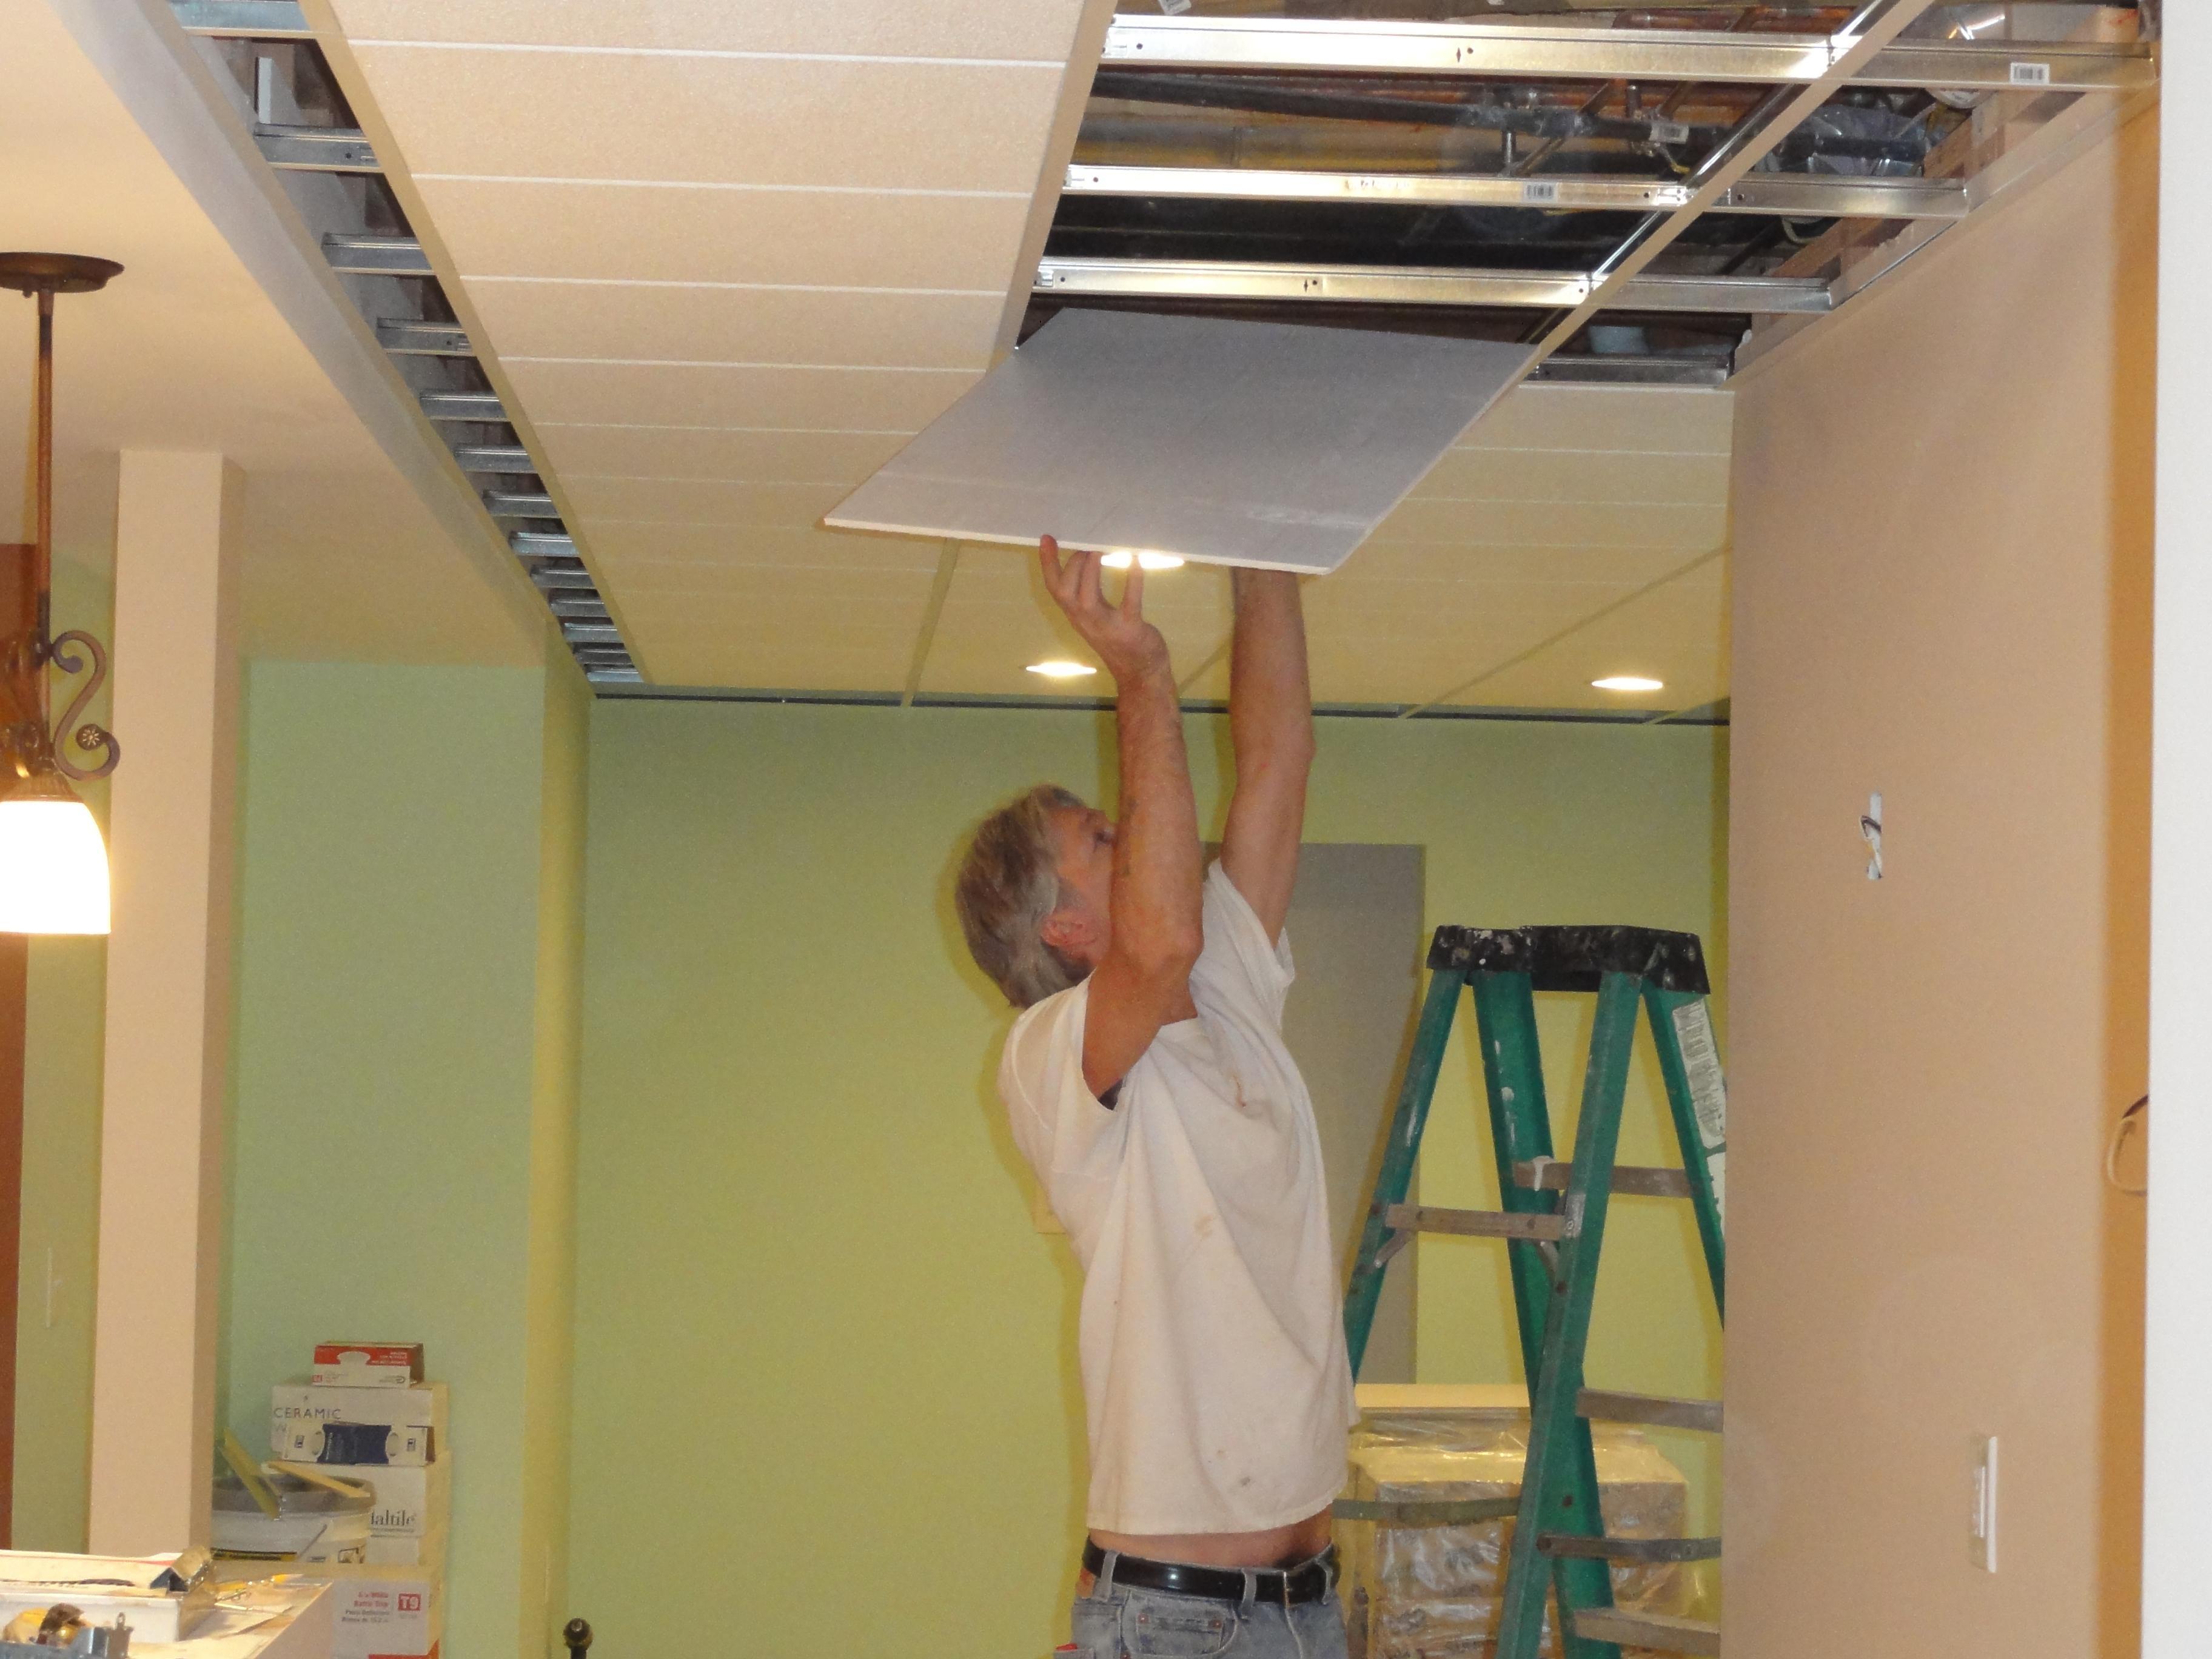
(265, 58)
(1799, 195)
(1509, 51)
(1801, 73)
(1418, 285)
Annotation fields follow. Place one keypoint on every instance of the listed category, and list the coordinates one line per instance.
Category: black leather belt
(1309, 1581)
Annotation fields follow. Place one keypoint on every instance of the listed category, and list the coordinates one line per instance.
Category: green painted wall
(63, 1030)
(406, 1016)
(550, 1291)
(826, 1383)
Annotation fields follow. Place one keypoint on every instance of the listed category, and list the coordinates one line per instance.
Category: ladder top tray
(1573, 958)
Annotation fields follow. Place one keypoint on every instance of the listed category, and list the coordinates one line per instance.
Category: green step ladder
(1553, 1223)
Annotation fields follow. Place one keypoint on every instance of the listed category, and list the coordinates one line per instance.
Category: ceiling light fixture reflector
(1058, 668)
(1628, 682)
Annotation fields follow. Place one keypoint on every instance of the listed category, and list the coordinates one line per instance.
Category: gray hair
(1008, 883)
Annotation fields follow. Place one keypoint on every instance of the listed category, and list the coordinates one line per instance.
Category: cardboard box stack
(365, 1414)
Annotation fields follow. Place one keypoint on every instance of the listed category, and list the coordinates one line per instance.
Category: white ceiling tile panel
(664, 556)
(998, 619)
(530, 317)
(1042, 29)
(740, 395)
(1427, 562)
(1575, 475)
(857, 124)
(655, 455)
(876, 664)
(1660, 420)
(1572, 524)
(678, 501)
(714, 233)
(1677, 632)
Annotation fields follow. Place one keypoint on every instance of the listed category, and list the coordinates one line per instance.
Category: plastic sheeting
(1432, 1592)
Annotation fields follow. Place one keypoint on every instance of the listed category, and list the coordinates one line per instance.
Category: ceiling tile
(678, 555)
(875, 664)
(682, 500)
(921, 28)
(657, 455)
(1433, 561)
(1577, 524)
(913, 125)
(1677, 633)
(1660, 420)
(740, 395)
(998, 619)
(527, 318)
(686, 232)
(1575, 475)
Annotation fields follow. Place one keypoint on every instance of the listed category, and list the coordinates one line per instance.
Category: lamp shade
(53, 864)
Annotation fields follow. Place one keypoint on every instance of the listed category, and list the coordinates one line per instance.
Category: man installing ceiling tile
(1149, 1088)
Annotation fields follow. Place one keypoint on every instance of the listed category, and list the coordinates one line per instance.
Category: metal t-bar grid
(404, 300)
(1850, 49)
(1219, 60)
(1287, 46)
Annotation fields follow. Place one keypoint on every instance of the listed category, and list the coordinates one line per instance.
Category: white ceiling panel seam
(721, 184)
(1054, 65)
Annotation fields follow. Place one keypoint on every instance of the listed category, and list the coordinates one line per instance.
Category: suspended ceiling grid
(729, 258)
(711, 347)
(339, 559)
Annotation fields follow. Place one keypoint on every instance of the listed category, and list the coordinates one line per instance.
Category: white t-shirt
(1212, 1326)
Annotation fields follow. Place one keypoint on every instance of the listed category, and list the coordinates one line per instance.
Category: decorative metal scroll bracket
(91, 738)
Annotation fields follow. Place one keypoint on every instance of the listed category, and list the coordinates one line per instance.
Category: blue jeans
(1117, 1622)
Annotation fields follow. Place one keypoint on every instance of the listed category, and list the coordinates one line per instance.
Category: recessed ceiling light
(1149, 561)
(1057, 669)
(1628, 682)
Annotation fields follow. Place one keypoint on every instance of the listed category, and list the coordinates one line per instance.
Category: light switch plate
(1984, 1547)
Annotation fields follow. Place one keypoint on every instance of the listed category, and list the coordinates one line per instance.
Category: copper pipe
(42, 550)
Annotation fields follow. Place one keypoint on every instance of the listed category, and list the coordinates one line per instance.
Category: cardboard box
(426, 1550)
(305, 1440)
(385, 1612)
(409, 1502)
(367, 1364)
(423, 1407)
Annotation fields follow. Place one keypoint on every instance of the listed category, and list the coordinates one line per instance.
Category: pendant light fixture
(53, 863)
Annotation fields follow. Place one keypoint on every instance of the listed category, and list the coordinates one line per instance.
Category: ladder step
(1651, 1409)
(1629, 1549)
(1474, 1224)
(1426, 1511)
(1551, 1175)
(1648, 1630)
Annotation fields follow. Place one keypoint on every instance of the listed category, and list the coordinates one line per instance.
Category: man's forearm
(1270, 702)
(1157, 874)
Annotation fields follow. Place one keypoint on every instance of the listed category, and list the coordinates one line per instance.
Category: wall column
(2178, 1340)
(172, 846)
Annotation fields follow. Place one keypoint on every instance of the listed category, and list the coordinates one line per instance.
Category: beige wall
(1942, 539)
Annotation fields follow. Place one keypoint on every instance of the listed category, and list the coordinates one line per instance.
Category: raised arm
(1271, 726)
(1142, 981)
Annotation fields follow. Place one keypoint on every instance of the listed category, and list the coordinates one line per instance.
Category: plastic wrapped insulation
(1432, 1592)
